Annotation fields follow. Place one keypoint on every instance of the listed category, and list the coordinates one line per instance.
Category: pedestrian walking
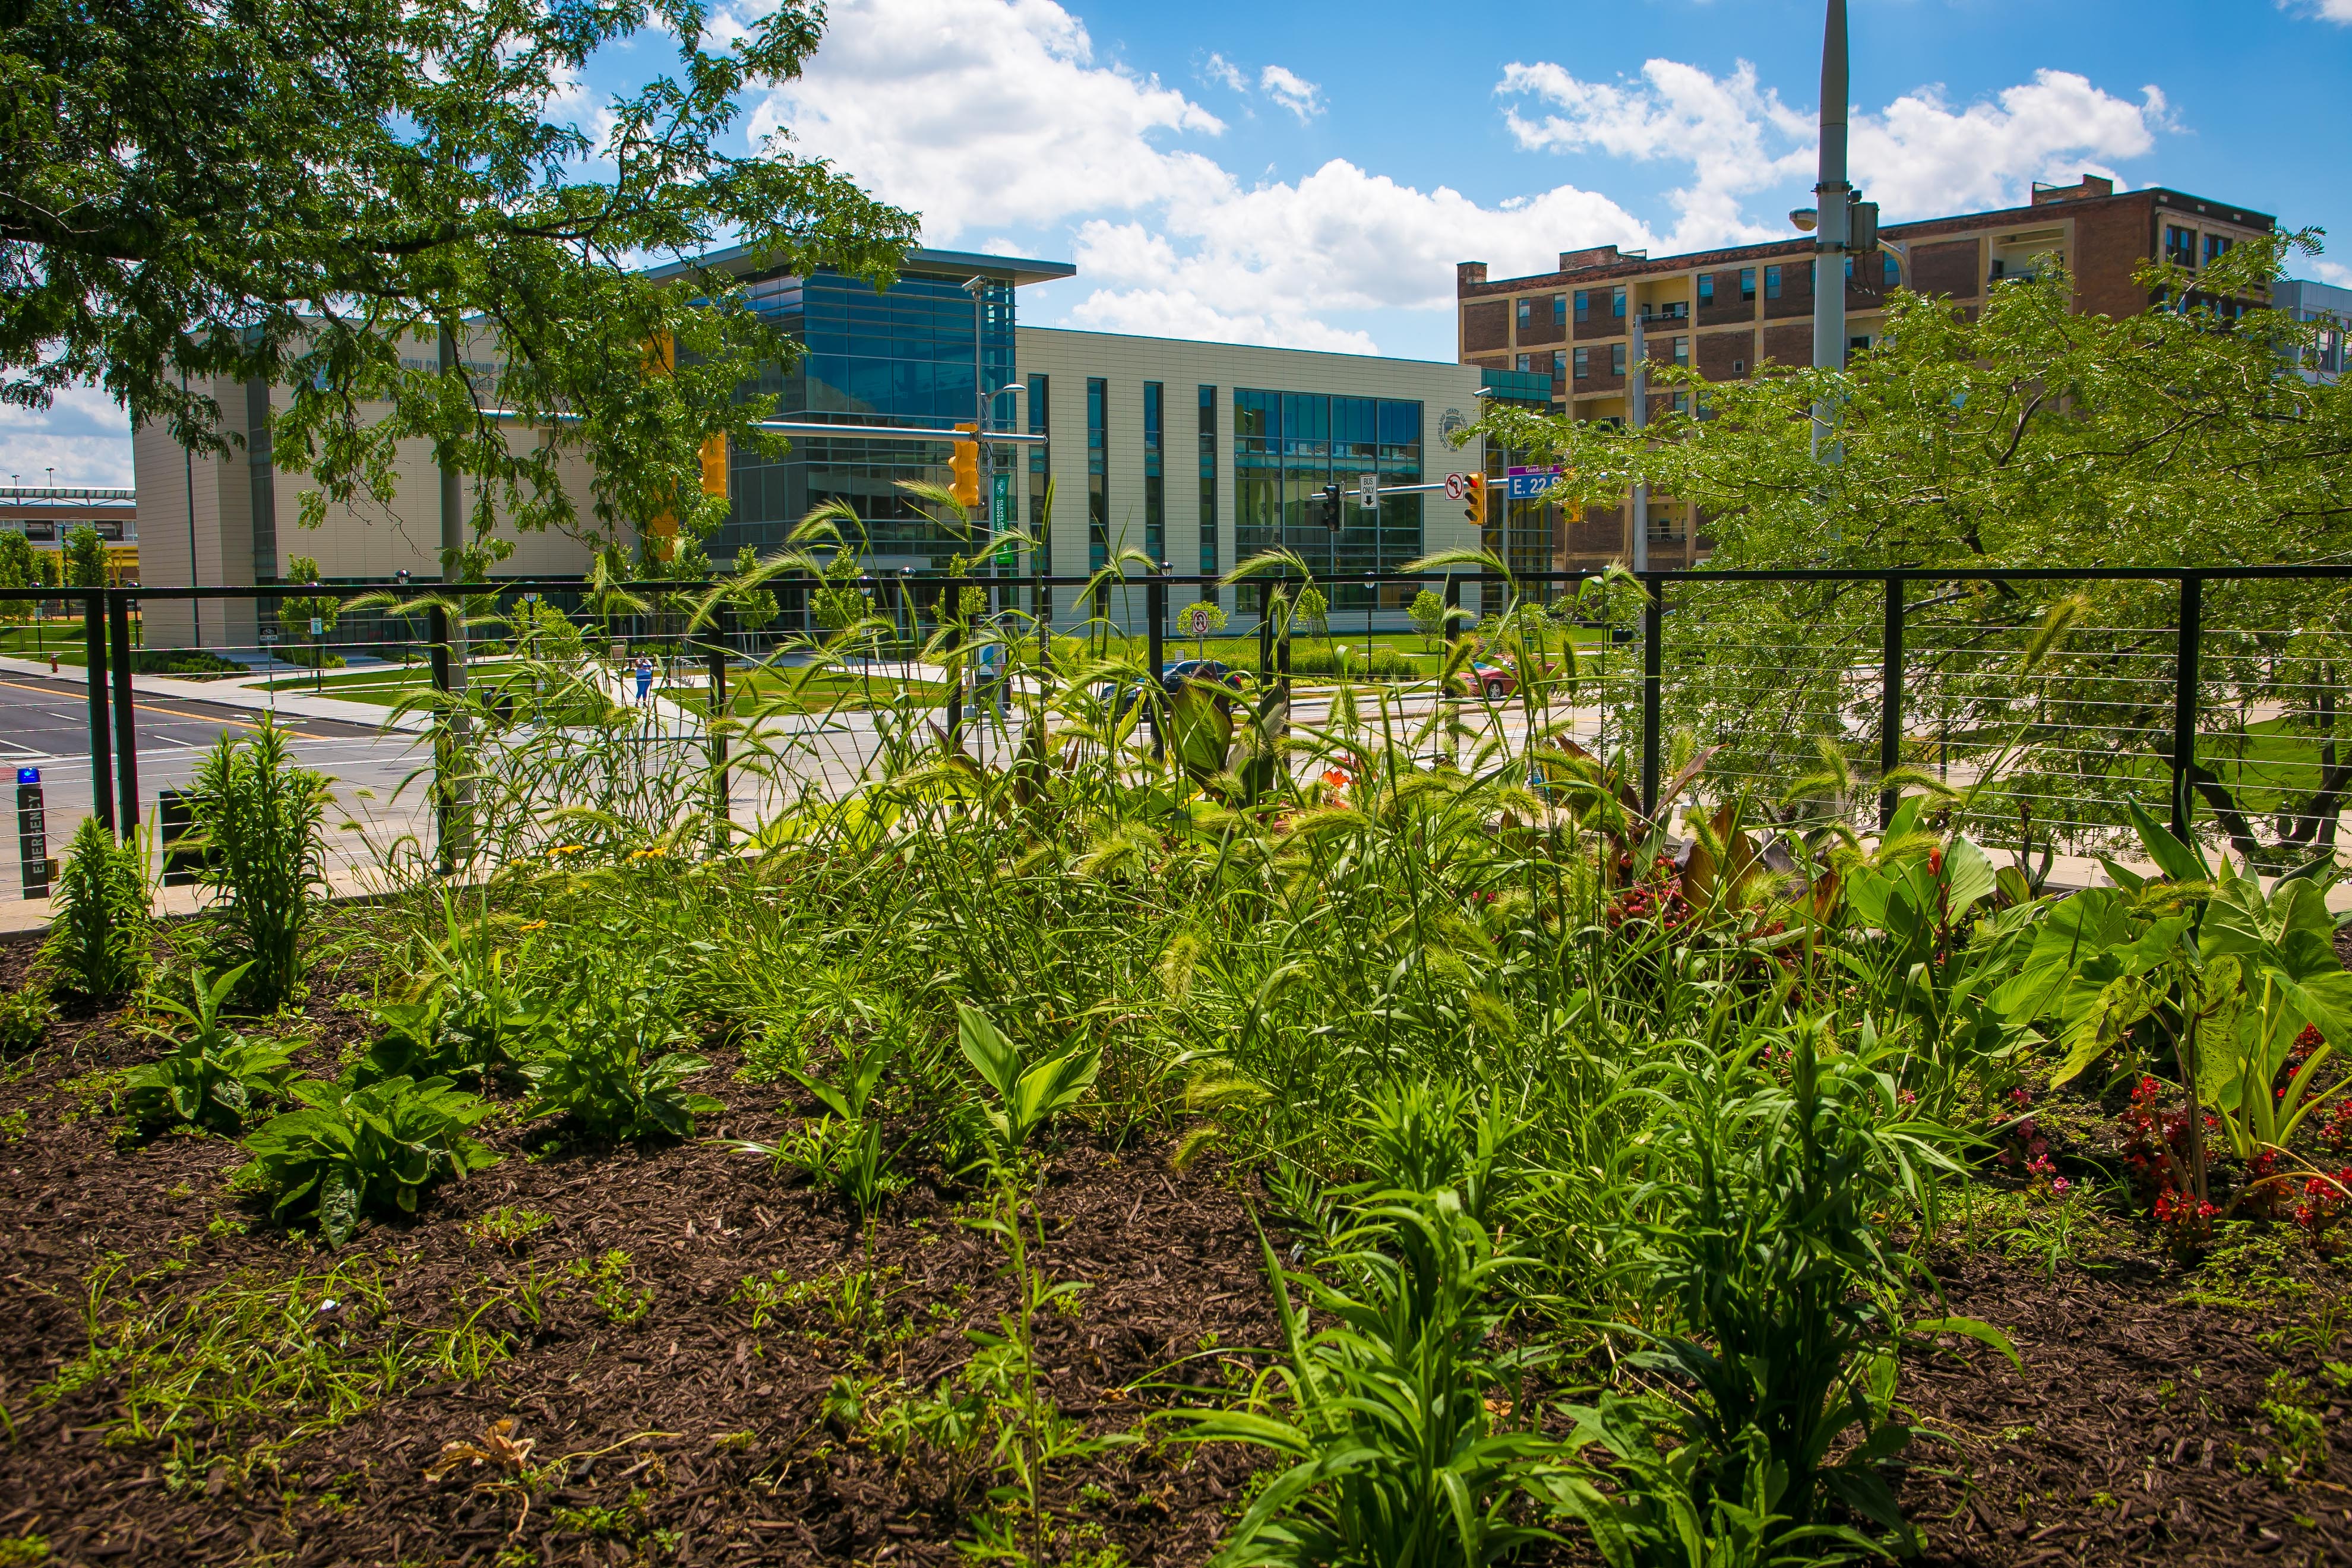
(644, 681)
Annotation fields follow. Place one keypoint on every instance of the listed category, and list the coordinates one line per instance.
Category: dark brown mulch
(690, 1436)
(687, 1421)
(2135, 1433)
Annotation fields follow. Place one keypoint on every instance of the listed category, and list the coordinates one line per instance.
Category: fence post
(722, 794)
(1890, 697)
(1653, 642)
(2184, 701)
(1449, 704)
(950, 609)
(101, 734)
(1264, 636)
(445, 751)
(126, 729)
(1155, 647)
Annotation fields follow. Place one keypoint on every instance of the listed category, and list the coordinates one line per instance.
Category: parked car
(1176, 674)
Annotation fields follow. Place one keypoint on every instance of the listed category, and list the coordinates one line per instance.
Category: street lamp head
(974, 285)
(1807, 219)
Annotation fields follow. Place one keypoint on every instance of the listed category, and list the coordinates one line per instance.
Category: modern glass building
(906, 355)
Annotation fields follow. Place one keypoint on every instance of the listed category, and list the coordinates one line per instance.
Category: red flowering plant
(2161, 1146)
(2024, 1147)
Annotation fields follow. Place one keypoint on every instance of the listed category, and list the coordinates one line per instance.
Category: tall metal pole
(458, 791)
(1831, 196)
(101, 732)
(126, 728)
(196, 607)
(1637, 415)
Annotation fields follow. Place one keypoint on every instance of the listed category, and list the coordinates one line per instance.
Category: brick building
(1726, 312)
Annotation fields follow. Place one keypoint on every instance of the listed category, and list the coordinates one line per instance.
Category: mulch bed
(690, 1436)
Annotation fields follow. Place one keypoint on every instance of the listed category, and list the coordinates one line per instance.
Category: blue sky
(1308, 174)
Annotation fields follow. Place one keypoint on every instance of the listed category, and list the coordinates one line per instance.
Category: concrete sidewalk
(246, 694)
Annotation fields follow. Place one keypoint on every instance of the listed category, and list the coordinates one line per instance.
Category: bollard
(33, 834)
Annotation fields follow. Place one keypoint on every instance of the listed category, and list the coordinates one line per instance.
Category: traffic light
(963, 464)
(714, 465)
(1327, 506)
(1474, 498)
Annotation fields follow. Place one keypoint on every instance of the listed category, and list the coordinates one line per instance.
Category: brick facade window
(1746, 285)
(1706, 288)
(1583, 305)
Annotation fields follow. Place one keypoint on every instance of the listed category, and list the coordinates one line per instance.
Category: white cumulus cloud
(1918, 157)
(84, 435)
(1291, 90)
(1223, 72)
(2325, 10)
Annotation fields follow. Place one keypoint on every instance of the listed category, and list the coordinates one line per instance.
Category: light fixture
(1807, 219)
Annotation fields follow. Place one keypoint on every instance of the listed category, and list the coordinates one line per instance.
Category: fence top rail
(430, 589)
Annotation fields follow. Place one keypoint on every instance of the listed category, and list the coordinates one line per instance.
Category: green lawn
(826, 692)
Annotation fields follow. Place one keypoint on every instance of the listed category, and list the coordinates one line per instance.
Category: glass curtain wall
(1289, 445)
(1209, 489)
(1041, 468)
(901, 356)
(1098, 476)
(1155, 482)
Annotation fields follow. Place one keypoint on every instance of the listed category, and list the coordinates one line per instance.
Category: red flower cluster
(1936, 862)
(2156, 1147)
(1660, 900)
(2323, 1202)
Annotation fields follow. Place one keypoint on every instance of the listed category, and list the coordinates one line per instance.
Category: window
(1288, 445)
(2180, 244)
(1098, 476)
(2217, 246)
(1891, 274)
(1856, 345)
(1527, 363)
(1705, 290)
(1616, 358)
(1682, 403)
(1771, 283)
(1527, 315)
(1682, 351)
(1583, 365)
(1739, 367)
(1559, 364)
(1155, 483)
(1583, 305)
(1746, 285)
(1559, 310)
(1040, 466)
(1209, 487)
(1617, 303)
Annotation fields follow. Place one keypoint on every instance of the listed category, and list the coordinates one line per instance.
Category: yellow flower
(566, 849)
(646, 854)
(534, 925)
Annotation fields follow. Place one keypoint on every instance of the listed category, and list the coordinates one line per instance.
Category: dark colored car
(1179, 673)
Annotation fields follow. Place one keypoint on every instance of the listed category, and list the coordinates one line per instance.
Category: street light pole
(1832, 196)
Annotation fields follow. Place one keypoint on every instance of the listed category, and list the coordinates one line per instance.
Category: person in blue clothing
(645, 678)
(990, 674)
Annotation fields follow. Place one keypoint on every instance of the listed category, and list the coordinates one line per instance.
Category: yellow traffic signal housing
(714, 466)
(1474, 498)
(964, 465)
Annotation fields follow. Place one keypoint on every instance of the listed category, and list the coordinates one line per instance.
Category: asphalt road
(46, 724)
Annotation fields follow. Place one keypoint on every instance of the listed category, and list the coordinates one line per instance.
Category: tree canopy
(312, 194)
(2022, 434)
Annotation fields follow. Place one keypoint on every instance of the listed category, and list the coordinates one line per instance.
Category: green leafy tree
(1313, 615)
(85, 558)
(1427, 614)
(305, 608)
(754, 609)
(17, 570)
(321, 198)
(1209, 611)
(51, 568)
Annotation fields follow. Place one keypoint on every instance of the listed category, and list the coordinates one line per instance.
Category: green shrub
(1387, 664)
(212, 1076)
(606, 1059)
(469, 1012)
(24, 1017)
(258, 817)
(1389, 1415)
(98, 949)
(353, 1152)
(183, 661)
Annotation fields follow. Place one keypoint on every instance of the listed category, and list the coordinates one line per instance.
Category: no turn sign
(1453, 487)
(1196, 621)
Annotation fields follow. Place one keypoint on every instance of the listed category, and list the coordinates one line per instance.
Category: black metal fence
(2214, 695)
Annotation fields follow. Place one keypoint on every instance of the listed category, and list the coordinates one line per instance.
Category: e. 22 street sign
(1525, 484)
